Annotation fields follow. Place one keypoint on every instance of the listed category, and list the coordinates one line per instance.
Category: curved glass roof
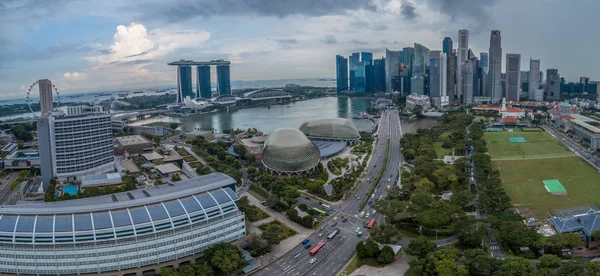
(175, 206)
(335, 128)
(288, 150)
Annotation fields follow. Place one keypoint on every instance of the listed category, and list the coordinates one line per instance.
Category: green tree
(596, 235)
(166, 271)
(290, 195)
(515, 266)
(372, 249)
(549, 261)
(573, 267)
(471, 233)
(259, 247)
(203, 269)
(561, 241)
(271, 237)
(461, 198)
(386, 256)
(303, 207)
(174, 126)
(250, 157)
(360, 250)
(480, 262)
(385, 233)
(593, 268)
(175, 177)
(225, 257)
(420, 247)
(156, 139)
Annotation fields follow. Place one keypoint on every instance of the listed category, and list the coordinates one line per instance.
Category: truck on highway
(316, 248)
(335, 232)
(371, 223)
(388, 188)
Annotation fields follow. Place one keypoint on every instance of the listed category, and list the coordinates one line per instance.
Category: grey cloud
(133, 62)
(286, 41)
(330, 39)
(136, 55)
(188, 9)
(385, 42)
(358, 42)
(408, 11)
(105, 51)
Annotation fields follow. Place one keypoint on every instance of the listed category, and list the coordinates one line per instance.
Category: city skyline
(107, 47)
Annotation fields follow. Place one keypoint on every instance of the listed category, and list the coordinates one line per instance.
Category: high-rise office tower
(447, 46)
(184, 83)
(392, 67)
(467, 82)
(462, 53)
(369, 78)
(203, 89)
(438, 78)
(483, 62)
(494, 84)
(367, 57)
(534, 80)
(341, 73)
(513, 77)
(379, 75)
(407, 58)
(552, 92)
(421, 60)
(46, 105)
(476, 75)
(360, 77)
(223, 80)
(450, 60)
(352, 62)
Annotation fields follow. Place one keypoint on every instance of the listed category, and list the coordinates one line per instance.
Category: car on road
(313, 260)
(357, 229)
(307, 246)
(344, 220)
(334, 224)
(297, 255)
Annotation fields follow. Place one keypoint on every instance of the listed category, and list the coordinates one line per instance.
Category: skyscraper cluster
(363, 74)
(203, 84)
(455, 75)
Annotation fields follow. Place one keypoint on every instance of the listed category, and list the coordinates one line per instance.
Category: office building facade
(450, 76)
(341, 73)
(392, 68)
(353, 61)
(407, 58)
(203, 87)
(494, 84)
(366, 57)
(552, 91)
(46, 105)
(513, 77)
(438, 78)
(360, 77)
(484, 62)
(223, 80)
(379, 75)
(420, 61)
(129, 233)
(467, 81)
(462, 55)
(75, 146)
(184, 83)
(447, 46)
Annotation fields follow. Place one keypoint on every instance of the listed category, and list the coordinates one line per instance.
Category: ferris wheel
(55, 97)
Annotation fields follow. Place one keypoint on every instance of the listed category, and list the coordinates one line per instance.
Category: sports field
(523, 182)
(536, 145)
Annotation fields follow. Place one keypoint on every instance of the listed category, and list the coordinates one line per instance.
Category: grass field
(522, 181)
(539, 144)
(282, 231)
(441, 152)
(478, 119)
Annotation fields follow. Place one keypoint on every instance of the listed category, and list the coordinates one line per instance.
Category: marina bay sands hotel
(184, 78)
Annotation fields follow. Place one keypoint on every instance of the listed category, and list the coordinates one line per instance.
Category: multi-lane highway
(338, 251)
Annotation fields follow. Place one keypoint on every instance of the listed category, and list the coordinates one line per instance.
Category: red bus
(371, 223)
(316, 248)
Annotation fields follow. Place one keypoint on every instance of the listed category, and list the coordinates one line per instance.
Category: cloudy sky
(92, 45)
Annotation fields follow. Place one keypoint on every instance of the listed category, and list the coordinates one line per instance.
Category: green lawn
(283, 231)
(522, 181)
(439, 151)
(189, 158)
(539, 144)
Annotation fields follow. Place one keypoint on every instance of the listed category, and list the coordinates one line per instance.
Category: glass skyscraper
(341, 73)
(203, 82)
(447, 46)
(379, 75)
(483, 59)
(421, 60)
(353, 61)
(367, 57)
(223, 80)
(360, 77)
(184, 83)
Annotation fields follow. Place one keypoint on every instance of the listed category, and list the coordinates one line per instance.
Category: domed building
(337, 129)
(289, 151)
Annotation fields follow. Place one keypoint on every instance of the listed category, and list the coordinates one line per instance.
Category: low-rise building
(132, 144)
(413, 100)
(168, 169)
(101, 180)
(22, 160)
(10, 147)
(583, 128)
(153, 157)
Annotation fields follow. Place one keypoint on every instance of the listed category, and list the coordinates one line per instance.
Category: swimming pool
(70, 189)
